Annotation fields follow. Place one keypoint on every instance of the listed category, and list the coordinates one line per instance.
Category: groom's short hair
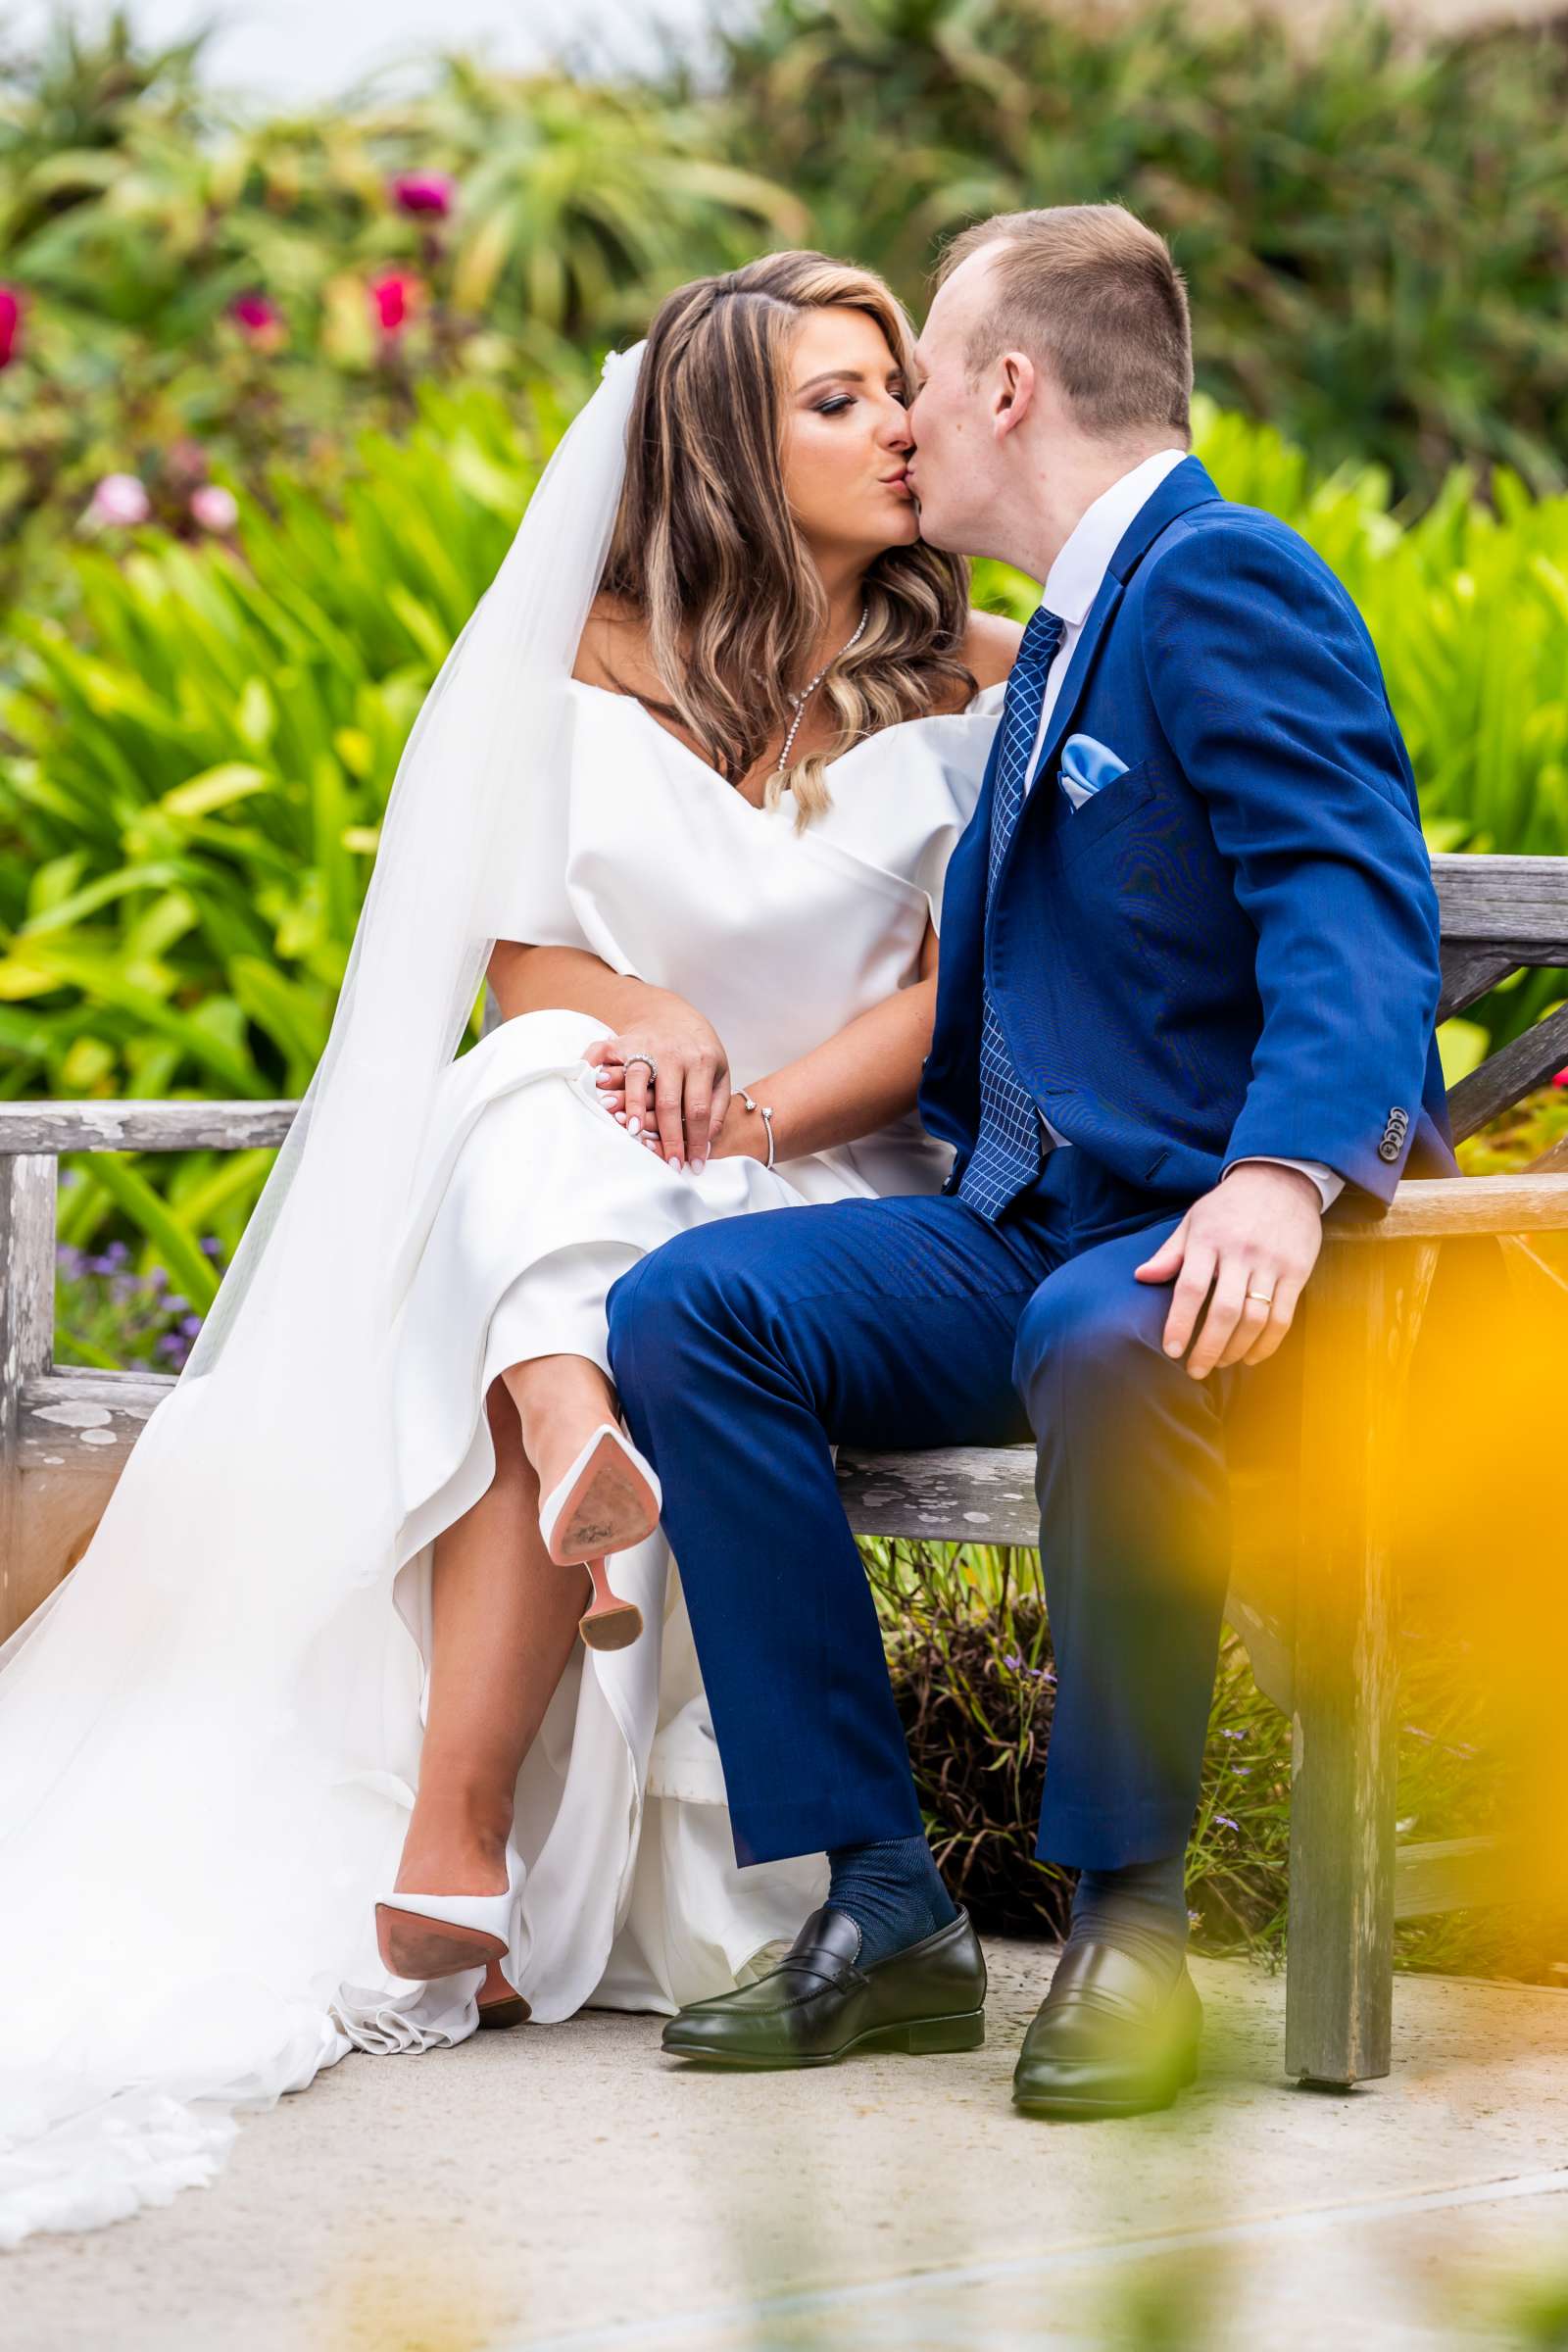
(1095, 294)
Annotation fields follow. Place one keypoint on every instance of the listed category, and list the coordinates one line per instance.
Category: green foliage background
(1374, 225)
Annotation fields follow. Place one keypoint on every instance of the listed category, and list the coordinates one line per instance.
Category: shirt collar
(1075, 577)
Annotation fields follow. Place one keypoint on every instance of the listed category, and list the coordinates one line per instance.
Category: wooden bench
(1314, 1590)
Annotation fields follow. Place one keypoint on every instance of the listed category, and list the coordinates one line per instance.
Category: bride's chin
(893, 536)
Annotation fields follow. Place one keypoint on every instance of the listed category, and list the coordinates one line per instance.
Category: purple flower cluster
(75, 1263)
(134, 1318)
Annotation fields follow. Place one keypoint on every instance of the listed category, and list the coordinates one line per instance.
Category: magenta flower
(213, 508)
(429, 192)
(259, 319)
(120, 500)
(9, 324)
(395, 298)
(1561, 1078)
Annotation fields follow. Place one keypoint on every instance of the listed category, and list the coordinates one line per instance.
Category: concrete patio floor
(566, 2187)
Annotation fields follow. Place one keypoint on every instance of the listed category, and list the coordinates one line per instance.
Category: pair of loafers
(1114, 2035)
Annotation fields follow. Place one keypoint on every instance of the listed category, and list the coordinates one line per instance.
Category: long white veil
(196, 1732)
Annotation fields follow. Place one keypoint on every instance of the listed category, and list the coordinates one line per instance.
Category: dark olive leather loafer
(818, 2004)
(1114, 2035)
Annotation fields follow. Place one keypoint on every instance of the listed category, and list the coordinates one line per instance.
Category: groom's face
(956, 470)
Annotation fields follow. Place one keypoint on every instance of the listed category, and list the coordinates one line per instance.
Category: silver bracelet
(767, 1109)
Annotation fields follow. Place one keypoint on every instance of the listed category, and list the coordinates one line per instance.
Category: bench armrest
(1430, 1207)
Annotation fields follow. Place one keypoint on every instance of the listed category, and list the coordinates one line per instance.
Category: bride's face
(846, 437)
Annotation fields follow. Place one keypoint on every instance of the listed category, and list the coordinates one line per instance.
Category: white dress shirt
(1072, 587)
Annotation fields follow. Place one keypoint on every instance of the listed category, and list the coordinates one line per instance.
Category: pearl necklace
(804, 697)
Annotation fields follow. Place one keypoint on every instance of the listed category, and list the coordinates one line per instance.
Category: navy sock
(893, 1892)
(1141, 1908)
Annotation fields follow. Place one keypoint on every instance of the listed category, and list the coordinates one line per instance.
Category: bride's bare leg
(505, 1620)
(559, 1399)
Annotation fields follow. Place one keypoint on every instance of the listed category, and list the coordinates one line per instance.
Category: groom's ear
(1014, 396)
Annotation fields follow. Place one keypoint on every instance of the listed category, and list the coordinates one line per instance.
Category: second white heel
(422, 1936)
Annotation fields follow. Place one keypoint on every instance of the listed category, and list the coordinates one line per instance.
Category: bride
(305, 1755)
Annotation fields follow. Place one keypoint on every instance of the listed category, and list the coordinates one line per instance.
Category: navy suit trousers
(745, 1350)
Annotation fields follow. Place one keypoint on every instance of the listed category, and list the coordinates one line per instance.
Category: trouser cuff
(817, 1825)
(1105, 1838)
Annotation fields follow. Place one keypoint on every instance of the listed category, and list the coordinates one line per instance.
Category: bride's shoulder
(613, 650)
(991, 646)
(988, 650)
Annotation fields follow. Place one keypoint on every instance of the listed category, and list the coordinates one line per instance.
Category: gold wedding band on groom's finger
(1263, 1297)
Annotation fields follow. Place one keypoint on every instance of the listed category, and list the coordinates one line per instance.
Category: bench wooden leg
(1365, 1305)
(27, 1339)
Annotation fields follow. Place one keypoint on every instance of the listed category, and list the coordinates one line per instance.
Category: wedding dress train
(187, 1925)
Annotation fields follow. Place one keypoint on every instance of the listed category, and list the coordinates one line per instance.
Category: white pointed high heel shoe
(609, 1501)
(427, 1936)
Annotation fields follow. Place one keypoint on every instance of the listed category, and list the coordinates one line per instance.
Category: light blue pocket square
(1087, 767)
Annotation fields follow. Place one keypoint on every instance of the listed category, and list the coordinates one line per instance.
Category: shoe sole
(609, 1508)
(420, 1948)
(917, 2037)
(1088, 2110)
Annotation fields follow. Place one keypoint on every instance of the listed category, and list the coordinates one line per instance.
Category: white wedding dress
(124, 2045)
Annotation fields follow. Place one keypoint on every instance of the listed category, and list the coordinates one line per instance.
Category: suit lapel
(1186, 485)
(950, 1063)
(1095, 621)
(949, 1095)
(963, 889)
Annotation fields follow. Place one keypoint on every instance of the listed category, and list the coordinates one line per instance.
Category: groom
(1188, 984)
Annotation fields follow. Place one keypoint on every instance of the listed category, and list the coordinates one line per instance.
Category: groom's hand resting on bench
(1247, 1249)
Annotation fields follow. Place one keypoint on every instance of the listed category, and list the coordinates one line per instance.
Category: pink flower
(119, 500)
(430, 192)
(259, 319)
(9, 324)
(395, 298)
(213, 508)
(1561, 1078)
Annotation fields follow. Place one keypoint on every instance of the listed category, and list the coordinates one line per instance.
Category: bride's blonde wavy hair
(708, 556)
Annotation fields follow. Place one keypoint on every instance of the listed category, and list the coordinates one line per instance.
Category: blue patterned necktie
(1007, 1151)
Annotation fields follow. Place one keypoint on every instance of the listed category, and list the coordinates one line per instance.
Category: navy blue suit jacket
(1231, 949)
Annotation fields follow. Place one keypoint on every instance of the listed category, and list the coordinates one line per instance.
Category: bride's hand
(683, 1111)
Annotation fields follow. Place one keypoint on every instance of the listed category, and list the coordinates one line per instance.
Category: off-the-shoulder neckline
(976, 708)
